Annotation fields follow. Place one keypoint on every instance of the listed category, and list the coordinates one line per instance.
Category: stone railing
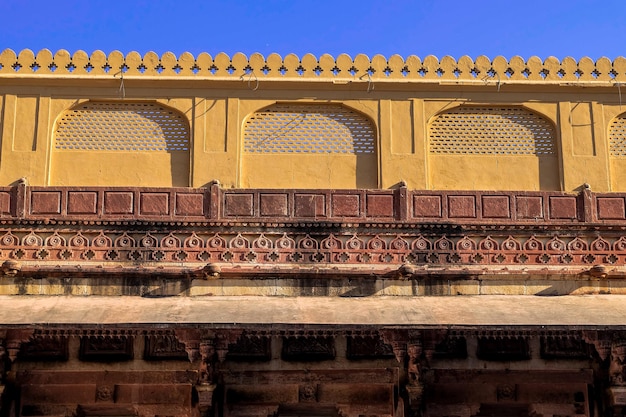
(256, 67)
(113, 204)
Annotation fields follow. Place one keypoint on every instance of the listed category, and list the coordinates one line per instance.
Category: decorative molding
(164, 346)
(497, 248)
(44, 348)
(250, 349)
(564, 347)
(308, 348)
(368, 347)
(503, 348)
(256, 67)
(106, 348)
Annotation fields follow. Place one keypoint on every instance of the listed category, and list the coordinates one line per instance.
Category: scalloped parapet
(309, 67)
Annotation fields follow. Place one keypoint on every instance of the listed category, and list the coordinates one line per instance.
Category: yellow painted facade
(556, 124)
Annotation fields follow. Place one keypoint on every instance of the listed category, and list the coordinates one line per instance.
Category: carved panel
(451, 348)
(250, 348)
(503, 348)
(106, 348)
(44, 348)
(158, 347)
(368, 347)
(565, 347)
(246, 247)
(308, 348)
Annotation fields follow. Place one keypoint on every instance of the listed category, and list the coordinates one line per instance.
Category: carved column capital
(14, 340)
(397, 339)
(600, 340)
(617, 367)
(191, 339)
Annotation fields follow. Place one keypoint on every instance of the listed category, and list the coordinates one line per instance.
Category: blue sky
(574, 28)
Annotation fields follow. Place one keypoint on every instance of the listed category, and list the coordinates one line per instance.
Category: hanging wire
(122, 89)
(250, 79)
(370, 83)
(619, 93)
(487, 77)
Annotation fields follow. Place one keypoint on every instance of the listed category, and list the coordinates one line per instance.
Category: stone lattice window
(477, 130)
(617, 136)
(102, 126)
(305, 129)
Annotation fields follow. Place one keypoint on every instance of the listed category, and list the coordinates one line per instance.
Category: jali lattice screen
(300, 128)
(102, 126)
(617, 136)
(475, 130)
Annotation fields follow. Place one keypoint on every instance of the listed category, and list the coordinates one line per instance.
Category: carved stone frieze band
(349, 247)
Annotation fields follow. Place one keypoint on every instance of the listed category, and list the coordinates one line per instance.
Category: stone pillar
(617, 376)
(415, 386)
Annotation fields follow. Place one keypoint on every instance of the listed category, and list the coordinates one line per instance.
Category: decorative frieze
(44, 348)
(564, 347)
(503, 348)
(164, 346)
(257, 68)
(106, 348)
(275, 248)
(308, 348)
(250, 348)
(368, 347)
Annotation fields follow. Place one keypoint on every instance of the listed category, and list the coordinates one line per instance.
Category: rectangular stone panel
(462, 206)
(496, 206)
(275, 393)
(310, 205)
(308, 349)
(45, 202)
(249, 349)
(273, 205)
(610, 208)
(189, 204)
(529, 207)
(118, 202)
(503, 349)
(154, 204)
(346, 205)
(5, 202)
(617, 396)
(106, 348)
(427, 206)
(82, 202)
(162, 347)
(239, 204)
(368, 348)
(58, 393)
(379, 205)
(44, 349)
(179, 394)
(563, 207)
(356, 394)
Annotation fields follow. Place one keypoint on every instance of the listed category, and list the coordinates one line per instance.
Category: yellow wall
(400, 110)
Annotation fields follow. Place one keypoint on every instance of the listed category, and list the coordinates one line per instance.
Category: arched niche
(492, 148)
(121, 144)
(617, 152)
(295, 145)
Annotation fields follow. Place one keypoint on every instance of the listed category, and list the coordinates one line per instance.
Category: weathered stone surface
(58, 393)
(142, 393)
